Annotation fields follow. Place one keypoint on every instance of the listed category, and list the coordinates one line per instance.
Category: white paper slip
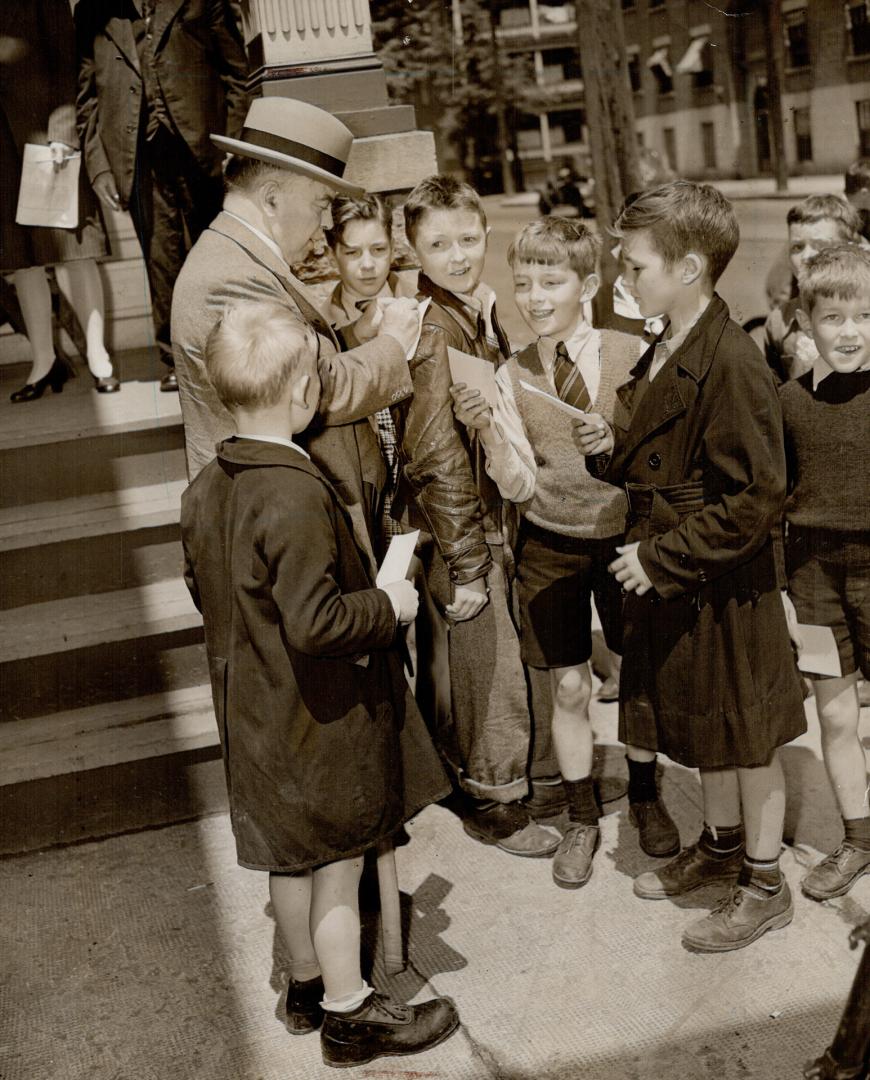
(818, 653)
(398, 559)
(553, 400)
(48, 196)
(422, 306)
(475, 372)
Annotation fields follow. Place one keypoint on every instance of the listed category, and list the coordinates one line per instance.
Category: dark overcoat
(708, 674)
(324, 750)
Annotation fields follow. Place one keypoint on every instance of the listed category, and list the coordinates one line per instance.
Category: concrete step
(109, 734)
(90, 544)
(83, 650)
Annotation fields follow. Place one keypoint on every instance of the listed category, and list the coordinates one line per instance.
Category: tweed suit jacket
(230, 263)
(201, 66)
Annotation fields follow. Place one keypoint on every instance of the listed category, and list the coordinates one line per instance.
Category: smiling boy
(826, 413)
(444, 484)
(571, 522)
(814, 224)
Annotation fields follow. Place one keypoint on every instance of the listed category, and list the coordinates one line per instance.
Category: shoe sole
(548, 853)
(392, 1053)
(778, 922)
(302, 1030)
(564, 883)
(836, 892)
(685, 892)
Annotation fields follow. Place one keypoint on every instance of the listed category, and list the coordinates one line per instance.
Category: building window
(566, 126)
(671, 147)
(634, 71)
(529, 135)
(858, 25)
(656, 3)
(628, 5)
(864, 127)
(803, 137)
(698, 61)
(660, 66)
(641, 140)
(708, 142)
(514, 14)
(797, 38)
(560, 65)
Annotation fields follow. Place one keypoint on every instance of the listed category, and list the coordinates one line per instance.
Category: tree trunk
(610, 120)
(775, 69)
(504, 142)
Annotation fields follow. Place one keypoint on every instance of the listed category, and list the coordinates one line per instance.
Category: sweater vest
(567, 499)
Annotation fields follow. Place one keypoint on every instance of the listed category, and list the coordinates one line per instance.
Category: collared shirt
(666, 348)
(267, 240)
(278, 440)
(510, 459)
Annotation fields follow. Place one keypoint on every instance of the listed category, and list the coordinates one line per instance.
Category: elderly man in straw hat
(289, 159)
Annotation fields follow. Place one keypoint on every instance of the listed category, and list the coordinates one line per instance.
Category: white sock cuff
(349, 1002)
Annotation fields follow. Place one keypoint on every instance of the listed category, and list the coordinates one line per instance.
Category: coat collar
(663, 399)
(229, 226)
(251, 453)
(468, 321)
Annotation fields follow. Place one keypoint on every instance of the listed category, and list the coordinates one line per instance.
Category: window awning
(660, 59)
(693, 61)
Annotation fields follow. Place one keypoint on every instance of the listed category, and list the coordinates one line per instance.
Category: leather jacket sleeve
(436, 462)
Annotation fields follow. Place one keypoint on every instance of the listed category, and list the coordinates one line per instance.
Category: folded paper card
(422, 306)
(553, 400)
(475, 372)
(818, 652)
(398, 559)
(48, 196)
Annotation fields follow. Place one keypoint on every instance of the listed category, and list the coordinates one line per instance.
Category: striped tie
(569, 382)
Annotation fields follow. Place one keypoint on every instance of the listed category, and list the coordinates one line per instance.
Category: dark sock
(722, 843)
(858, 832)
(762, 876)
(582, 801)
(642, 781)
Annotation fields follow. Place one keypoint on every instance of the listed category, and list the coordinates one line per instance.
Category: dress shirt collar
(267, 240)
(278, 440)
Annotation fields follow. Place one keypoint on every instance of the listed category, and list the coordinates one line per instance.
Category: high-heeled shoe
(58, 374)
(106, 385)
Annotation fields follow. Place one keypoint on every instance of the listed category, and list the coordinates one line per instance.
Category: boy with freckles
(571, 523)
(708, 675)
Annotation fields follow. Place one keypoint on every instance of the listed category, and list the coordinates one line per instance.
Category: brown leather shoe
(738, 920)
(490, 822)
(572, 865)
(827, 1068)
(381, 1027)
(303, 1009)
(657, 833)
(692, 869)
(533, 841)
(836, 873)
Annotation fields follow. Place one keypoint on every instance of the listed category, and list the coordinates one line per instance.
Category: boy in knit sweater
(570, 522)
(826, 413)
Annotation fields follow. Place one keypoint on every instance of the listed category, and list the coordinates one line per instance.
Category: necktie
(570, 385)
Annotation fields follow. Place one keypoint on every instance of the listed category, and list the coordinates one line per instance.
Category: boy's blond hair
(552, 240)
(816, 208)
(684, 217)
(255, 349)
(841, 273)
(440, 193)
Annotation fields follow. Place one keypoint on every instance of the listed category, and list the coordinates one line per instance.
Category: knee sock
(642, 781)
(721, 842)
(761, 876)
(583, 806)
(858, 832)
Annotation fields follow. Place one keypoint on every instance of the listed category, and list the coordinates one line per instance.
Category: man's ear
(804, 321)
(693, 267)
(590, 287)
(269, 196)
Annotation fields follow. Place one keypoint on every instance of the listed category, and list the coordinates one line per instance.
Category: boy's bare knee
(574, 689)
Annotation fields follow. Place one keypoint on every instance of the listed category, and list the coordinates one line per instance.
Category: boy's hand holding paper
(594, 434)
(393, 573)
(471, 408)
(474, 373)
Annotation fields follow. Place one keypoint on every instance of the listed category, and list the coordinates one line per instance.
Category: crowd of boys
(658, 481)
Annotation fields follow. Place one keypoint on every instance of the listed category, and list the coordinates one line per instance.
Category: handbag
(48, 196)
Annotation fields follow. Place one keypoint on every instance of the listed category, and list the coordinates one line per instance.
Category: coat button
(683, 559)
(655, 460)
(702, 576)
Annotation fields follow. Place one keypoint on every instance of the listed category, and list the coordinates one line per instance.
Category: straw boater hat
(299, 136)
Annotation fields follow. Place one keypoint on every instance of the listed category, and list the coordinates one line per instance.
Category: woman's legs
(34, 298)
(80, 283)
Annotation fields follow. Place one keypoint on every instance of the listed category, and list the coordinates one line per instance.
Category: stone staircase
(105, 712)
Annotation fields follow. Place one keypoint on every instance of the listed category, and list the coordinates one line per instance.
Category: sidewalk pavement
(153, 956)
(757, 187)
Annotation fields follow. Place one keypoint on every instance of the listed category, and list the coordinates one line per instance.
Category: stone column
(321, 51)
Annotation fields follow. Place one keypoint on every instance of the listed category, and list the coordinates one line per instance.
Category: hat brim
(275, 157)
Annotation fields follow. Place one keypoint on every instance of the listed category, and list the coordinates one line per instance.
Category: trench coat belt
(683, 499)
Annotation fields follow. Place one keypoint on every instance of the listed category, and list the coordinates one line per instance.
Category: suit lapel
(661, 402)
(164, 12)
(120, 32)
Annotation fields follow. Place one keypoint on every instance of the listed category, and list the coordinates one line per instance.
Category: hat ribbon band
(294, 149)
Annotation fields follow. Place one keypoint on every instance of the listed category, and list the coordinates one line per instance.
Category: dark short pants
(829, 585)
(557, 577)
